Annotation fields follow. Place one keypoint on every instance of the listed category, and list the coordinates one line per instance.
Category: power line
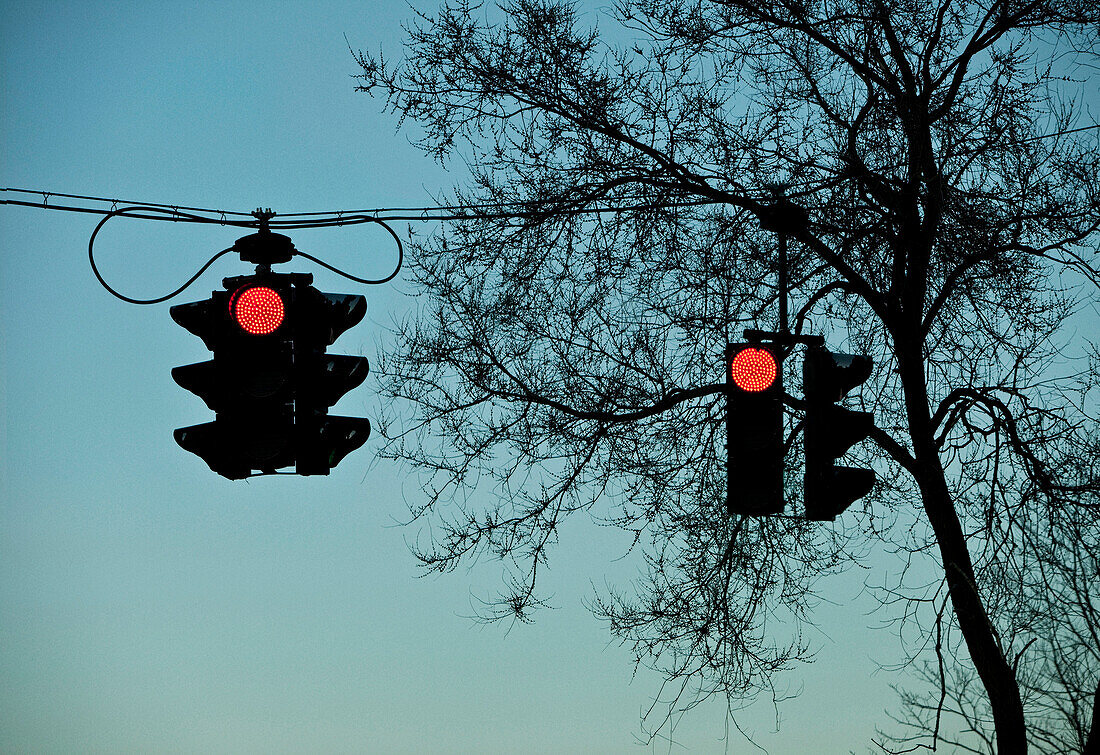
(443, 212)
(299, 220)
(116, 202)
(266, 220)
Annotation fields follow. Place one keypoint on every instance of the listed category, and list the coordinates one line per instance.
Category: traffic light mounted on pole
(754, 429)
(271, 382)
(830, 430)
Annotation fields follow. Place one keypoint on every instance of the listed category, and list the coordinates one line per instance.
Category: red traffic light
(754, 429)
(753, 370)
(259, 310)
(271, 382)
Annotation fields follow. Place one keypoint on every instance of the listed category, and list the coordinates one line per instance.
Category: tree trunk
(989, 660)
(1092, 744)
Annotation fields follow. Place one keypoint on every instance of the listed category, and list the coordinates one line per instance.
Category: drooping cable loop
(261, 220)
(175, 215)
(349, 276)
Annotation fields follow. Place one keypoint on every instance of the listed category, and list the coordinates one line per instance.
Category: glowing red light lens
(753, 370)
(258, 310)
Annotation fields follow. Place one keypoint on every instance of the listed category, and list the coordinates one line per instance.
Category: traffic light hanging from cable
(270, 382)
(830, 430)
(322, 379)
(754, 429)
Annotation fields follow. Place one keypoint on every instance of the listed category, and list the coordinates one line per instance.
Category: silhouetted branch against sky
(564, 363)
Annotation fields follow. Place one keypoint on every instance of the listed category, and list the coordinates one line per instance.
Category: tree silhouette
(567, 356)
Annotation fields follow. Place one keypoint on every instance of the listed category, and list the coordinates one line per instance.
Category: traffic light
(830, 430)
(754, 429)
(324, 378)
(270, 382)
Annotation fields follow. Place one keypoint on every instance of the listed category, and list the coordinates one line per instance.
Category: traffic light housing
(830, 430)
(271, 381)
(754, 429)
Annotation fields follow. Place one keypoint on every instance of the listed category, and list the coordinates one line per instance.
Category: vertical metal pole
(783, 283)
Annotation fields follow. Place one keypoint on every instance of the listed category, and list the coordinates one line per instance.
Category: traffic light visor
(753, 369)
(259, 310)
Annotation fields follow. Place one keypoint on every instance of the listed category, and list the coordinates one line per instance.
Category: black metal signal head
(270, 382)
(830, 430)
(754, 429)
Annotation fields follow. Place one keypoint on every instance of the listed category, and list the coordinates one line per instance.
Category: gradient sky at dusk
(147, 605)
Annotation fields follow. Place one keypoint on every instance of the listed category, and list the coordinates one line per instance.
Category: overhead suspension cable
(444, 212)
(440, 212)
(330, 218)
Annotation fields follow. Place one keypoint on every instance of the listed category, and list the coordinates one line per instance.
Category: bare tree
(1059, 680)
(568, 354)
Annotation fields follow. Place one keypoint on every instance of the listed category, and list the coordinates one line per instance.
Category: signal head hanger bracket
(264, 248)
(785, 339)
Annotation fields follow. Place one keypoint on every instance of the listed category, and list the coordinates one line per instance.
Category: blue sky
(147, 605)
